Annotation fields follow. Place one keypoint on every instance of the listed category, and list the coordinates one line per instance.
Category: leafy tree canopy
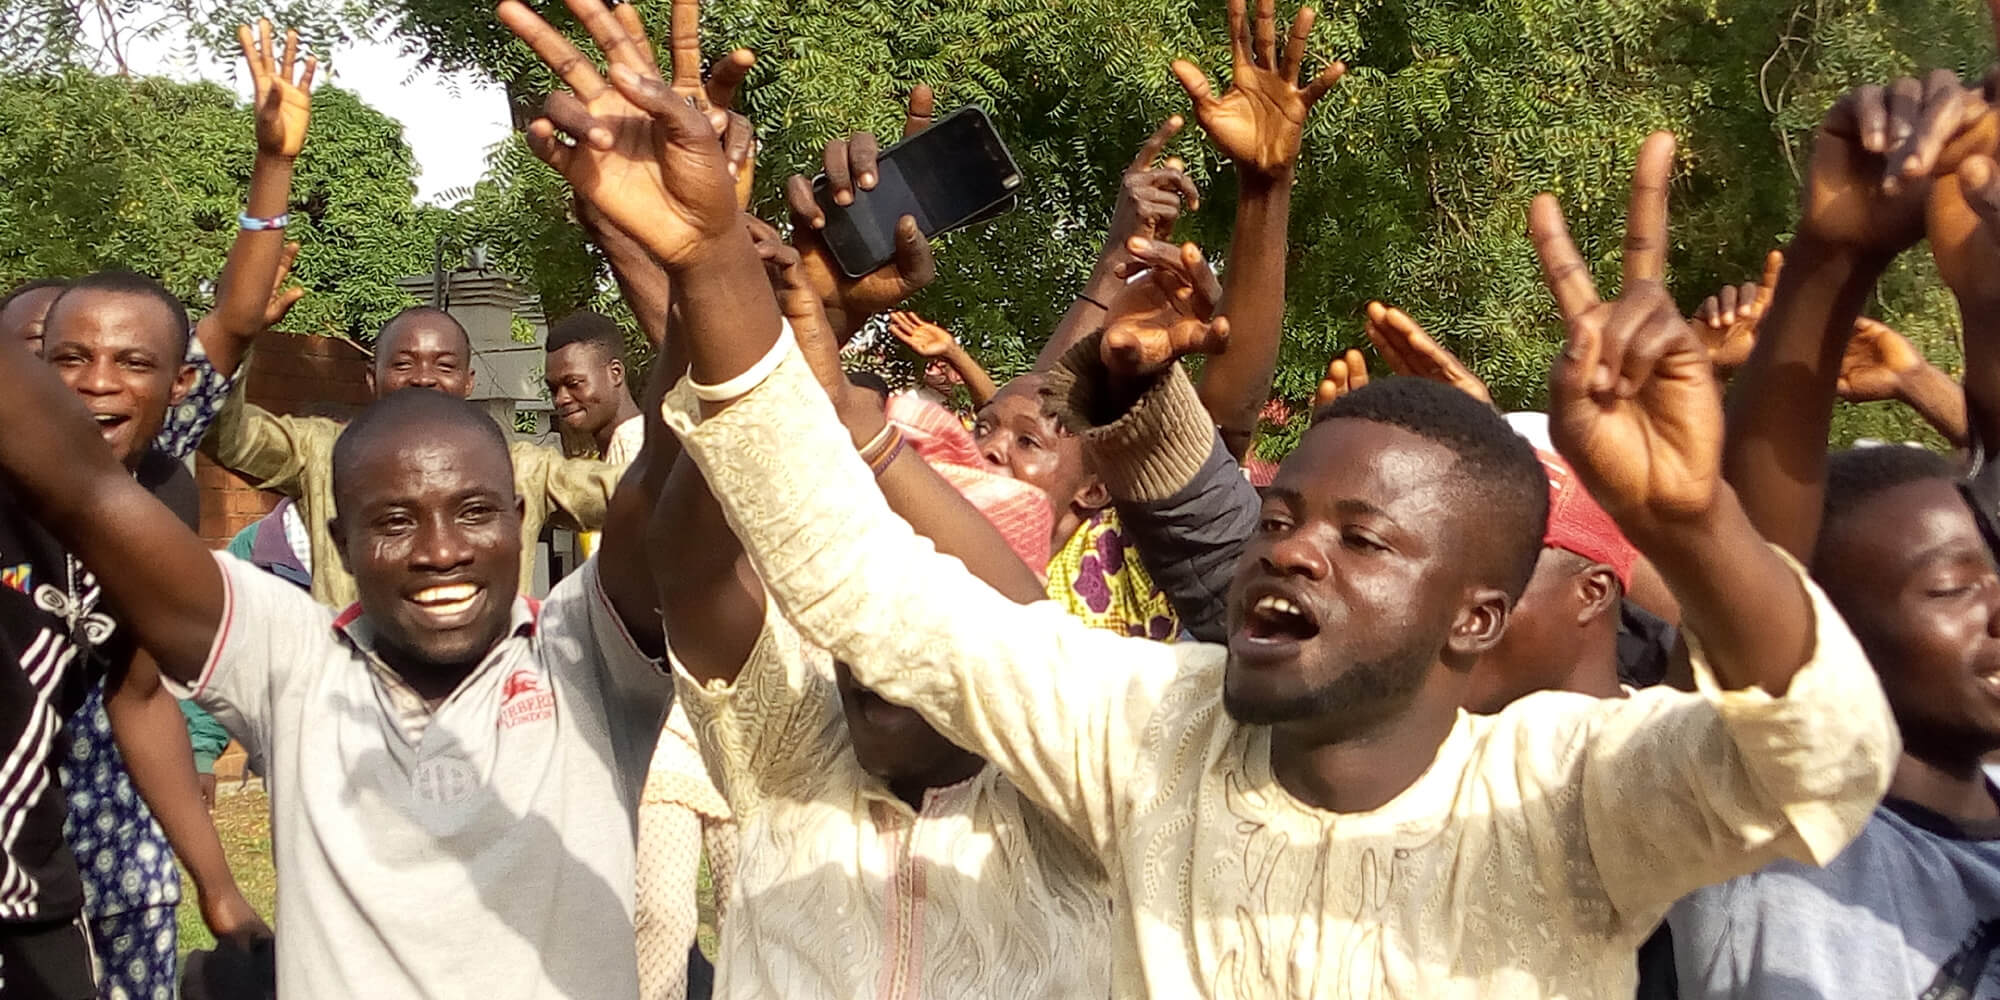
(150, 174)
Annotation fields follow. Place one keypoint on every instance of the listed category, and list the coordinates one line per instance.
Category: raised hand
(1260, 121)
(851, 163)
(644, 153)
(1879, 364)
(800, 306)
(1344, 374)
(1151, 192)
(1165, 313)
(1409, 350)
(1634, 405)
(1727, 321)
(1964, 226)
(282, 299)
(1872, 159)
(921, 335)
(283, 100)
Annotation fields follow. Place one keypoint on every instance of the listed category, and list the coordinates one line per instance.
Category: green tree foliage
(150, 174)
(1417, 170)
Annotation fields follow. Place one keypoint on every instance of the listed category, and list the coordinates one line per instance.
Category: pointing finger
(1149, 153)
(918, 118)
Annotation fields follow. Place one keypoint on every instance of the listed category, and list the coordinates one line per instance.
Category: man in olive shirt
(293, 455)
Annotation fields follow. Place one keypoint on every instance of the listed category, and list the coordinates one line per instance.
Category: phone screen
(944, 177)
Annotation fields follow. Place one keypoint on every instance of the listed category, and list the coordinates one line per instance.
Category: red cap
(1577, 524)
(1020, 511)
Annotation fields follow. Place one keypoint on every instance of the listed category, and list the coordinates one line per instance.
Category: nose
(441, 546)
(993, 448)
(425, 377)
(1295, 554)
(99, 378)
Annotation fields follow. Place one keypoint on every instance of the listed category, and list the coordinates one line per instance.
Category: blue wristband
(253, 224)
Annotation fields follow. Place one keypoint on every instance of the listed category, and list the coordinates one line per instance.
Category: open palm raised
(644, 153)
(283, 100)
(1260, 121)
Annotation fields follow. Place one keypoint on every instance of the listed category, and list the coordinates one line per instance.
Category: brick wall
(292, 375)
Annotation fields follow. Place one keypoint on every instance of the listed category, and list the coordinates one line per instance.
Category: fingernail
(819, 222)
(601, 138)
(843, 198)
(868, 180)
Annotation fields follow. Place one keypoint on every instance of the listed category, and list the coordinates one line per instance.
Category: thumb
(1193, 80)
(1980, 181)
(913, 254)
(679, 120)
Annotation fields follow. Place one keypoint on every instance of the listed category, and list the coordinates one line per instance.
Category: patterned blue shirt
(120, 849)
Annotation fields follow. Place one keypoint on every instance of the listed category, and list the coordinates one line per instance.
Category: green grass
(243, 820)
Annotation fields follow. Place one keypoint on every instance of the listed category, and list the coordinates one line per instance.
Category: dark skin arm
(851, 164)
(1149, 203)
(247, 301)
(152, 738)
(1863, 204)
(1636, 409)
(712, 601)
(168, 589)
(642, 282)
(1259, 124)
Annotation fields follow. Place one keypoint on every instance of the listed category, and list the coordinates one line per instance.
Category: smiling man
(585, 375)
(1307, 810)
(418, 348)
(454, 769)
(116, 340)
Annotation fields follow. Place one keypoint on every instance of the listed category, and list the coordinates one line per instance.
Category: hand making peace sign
(1634, 404)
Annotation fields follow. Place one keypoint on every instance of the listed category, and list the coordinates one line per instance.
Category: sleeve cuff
(1150, 452)
(1826, 750)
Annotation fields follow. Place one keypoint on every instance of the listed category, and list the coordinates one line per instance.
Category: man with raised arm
(1911, 907)
(1308, 810)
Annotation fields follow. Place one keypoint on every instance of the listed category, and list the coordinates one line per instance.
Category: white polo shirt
(482, 849)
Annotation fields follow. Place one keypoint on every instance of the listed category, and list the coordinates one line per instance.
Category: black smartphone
(952, 174)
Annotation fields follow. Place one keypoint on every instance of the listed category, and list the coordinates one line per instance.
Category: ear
(371, 381)
(1481, 621)
(617, 368)
(338, 531)
(1597, 593)
(1093, 497)
(183, 384)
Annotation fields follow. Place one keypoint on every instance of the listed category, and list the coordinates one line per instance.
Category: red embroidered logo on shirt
(524, 699)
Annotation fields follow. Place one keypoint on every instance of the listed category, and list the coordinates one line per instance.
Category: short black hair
(420, 312)
(32, 286)
(1505, 483)
(586, 327)
(132, 283)
(404, 410)
(1856, 475)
